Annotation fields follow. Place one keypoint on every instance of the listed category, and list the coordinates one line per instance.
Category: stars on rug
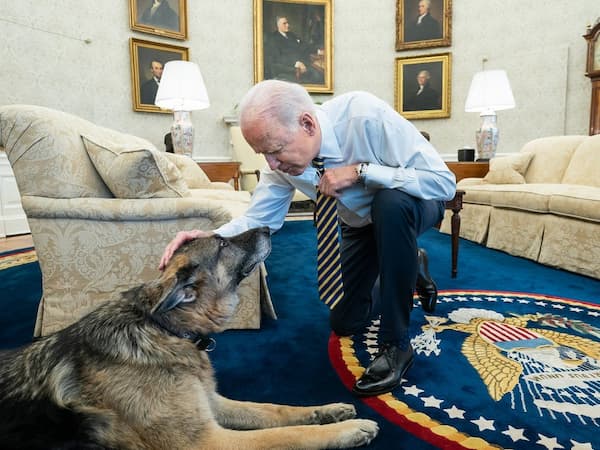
(551, 443)
(455, 413)
(484, 424)
(432, 402)
(581, 445)
(412, 390)
(516, 434)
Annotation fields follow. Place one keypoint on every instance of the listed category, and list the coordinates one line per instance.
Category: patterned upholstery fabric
(134, 172)
(91, 245)
(552, 218)
(191, 172)
(43, 146)
(508, 169)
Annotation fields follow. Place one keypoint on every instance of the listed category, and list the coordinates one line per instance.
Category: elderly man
(390, 185)
(288, 57)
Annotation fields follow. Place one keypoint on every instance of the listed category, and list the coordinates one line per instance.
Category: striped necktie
(329, 268)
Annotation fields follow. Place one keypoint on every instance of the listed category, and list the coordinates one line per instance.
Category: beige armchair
(251, 163)
(102, 205)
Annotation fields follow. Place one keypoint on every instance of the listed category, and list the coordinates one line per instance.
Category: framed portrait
(423, 86)
(423, 23)
(161, 17)
(147, 62)
(293, 41)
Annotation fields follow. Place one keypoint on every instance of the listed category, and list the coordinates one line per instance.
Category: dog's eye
(223, 243)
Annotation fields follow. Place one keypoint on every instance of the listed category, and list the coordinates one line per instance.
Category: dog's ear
(180, 292)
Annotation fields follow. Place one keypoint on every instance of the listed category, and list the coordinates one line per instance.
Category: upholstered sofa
(102, 206)
(542, 203)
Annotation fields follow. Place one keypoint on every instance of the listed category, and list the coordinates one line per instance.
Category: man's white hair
(276, 100)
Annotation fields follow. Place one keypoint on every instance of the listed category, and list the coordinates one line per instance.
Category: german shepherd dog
(134, 373)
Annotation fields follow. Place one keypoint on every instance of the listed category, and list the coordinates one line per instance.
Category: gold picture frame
(144, 58)
(423, 24)
(432, 101)
(306, 58)
(166, 18)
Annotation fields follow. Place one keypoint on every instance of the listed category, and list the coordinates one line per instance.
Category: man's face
(282, 25)
(157, 69)
(421, 79)
(287, 152)
(422, 8)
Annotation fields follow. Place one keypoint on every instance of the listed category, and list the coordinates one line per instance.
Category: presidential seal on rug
(135, 374)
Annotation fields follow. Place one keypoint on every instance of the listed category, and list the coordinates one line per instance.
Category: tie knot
(318, 163)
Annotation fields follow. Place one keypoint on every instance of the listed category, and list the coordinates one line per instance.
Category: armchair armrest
(116, 210)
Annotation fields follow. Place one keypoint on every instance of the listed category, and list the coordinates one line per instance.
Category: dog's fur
(129, 376)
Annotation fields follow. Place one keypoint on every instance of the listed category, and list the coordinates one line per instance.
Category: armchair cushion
(194, 176)
(508, 169)
(133, 171)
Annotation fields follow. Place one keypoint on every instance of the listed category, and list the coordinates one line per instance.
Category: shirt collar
(330, 149)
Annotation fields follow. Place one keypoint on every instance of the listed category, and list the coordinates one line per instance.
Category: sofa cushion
(194, 176)
(508, 169)
(584, 164)
(526, 197)
(480, 194)
(551, 157)
(580, 202)
(134, 171)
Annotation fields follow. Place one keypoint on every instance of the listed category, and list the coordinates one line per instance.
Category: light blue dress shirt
(355, 127)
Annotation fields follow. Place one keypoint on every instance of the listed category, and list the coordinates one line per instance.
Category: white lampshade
(181, 87)
(490, 90)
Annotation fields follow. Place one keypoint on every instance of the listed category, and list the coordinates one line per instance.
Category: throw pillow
(194, 176)
(508, 169)
(132, 171)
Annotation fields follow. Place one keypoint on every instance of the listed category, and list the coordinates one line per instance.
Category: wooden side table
(467, 169)
(222, 171)
(461, 170)
(455, 205)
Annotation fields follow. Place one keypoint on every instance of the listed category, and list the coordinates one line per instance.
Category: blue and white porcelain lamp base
(182, 133)
(487, 136)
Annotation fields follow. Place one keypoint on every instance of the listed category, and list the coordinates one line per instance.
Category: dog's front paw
(334, 412)
(358, 432)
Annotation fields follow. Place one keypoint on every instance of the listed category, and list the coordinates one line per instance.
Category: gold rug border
(18, 259)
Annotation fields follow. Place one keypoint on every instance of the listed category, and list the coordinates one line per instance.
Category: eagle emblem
(560, 371)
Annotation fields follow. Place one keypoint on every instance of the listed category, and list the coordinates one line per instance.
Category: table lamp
(182, 90)
(489, 92)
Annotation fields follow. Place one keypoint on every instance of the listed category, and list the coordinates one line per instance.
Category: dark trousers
(384, 251)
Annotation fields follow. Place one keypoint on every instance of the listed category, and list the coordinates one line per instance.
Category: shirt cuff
(379, 176)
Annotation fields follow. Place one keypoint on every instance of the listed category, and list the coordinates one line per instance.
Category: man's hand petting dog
(180, 238)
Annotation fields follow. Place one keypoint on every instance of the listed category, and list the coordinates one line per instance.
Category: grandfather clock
(593, 72)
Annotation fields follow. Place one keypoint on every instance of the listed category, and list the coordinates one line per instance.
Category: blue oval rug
(485, 377)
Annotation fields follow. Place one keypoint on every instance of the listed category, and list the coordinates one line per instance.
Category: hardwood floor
(15, 242)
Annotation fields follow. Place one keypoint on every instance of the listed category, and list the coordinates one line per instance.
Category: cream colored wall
(46, 62)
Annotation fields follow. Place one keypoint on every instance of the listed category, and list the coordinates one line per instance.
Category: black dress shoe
(426, 288)
(385, 372)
